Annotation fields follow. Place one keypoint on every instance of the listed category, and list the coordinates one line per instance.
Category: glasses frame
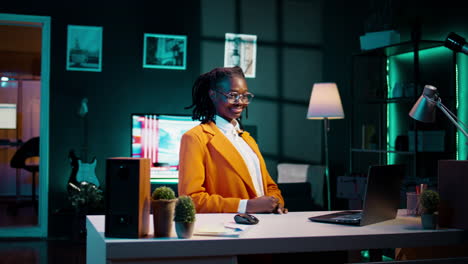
(240, 97)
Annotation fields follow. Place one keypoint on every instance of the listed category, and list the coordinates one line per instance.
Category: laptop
(381, 198)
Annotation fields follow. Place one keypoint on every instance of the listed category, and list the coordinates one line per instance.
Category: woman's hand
(265, 204)
(280, 209)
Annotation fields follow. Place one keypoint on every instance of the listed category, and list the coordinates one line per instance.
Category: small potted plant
(163, 202)
(429, 202)
(184, 217)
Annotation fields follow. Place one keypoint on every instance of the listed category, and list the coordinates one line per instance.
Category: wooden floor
(42, 251)
(17, 213)
(34, 251)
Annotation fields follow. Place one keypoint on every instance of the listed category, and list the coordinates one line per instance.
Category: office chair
(301, 186)
(27, 158)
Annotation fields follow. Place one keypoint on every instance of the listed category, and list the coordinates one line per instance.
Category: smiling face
(226, 110)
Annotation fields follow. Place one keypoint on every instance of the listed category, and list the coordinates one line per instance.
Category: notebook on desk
(381, 199)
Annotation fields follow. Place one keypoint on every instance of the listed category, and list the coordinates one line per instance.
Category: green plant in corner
(429, 201)
(163, 193)
(185, 210)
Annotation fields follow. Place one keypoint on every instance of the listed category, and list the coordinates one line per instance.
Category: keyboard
(356, 216)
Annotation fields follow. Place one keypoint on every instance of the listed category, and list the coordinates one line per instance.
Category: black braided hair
(203, 108)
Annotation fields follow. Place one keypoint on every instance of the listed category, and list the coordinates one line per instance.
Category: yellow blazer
(214, 173)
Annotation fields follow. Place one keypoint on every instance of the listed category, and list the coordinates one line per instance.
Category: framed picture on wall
(164, 51)
(84, 48)
(241, 50)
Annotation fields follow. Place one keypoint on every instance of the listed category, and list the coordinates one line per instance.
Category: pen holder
(412, 204)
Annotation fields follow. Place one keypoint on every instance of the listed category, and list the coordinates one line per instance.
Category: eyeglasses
(232, 97)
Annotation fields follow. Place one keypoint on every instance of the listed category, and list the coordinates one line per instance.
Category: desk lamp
(424, 109)
(325, 103)
(456, 43)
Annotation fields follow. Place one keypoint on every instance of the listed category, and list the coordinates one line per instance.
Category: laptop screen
(382, 198)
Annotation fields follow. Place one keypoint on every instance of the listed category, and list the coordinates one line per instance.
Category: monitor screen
(157, 137)
(7, 116)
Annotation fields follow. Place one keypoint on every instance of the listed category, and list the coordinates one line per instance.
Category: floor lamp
(325, 103)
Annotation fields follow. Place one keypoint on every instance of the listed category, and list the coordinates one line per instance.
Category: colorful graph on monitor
(157, 137)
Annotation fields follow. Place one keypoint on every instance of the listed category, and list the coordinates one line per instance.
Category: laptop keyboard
(355, 216)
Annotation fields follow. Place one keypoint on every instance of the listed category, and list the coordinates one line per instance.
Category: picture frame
(162, 51)
(84, 48)
(241, 50)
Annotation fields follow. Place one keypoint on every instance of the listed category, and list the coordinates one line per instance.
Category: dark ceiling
(20, 50)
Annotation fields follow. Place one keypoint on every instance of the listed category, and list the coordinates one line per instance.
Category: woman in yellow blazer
(221, 166)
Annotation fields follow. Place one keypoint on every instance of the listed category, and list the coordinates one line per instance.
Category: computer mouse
(245, 219)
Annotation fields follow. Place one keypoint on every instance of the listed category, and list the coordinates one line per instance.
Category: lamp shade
(425, 107)
(325, 102)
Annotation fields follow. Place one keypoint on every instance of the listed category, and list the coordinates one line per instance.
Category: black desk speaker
(128, 197)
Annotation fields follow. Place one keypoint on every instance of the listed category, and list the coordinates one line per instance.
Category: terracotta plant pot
(163, 217)
(429, 221)
(184, 229)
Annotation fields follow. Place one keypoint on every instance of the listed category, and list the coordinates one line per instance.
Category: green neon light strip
(462, 106)
(389, 155)
(457, 154)
(394, 125)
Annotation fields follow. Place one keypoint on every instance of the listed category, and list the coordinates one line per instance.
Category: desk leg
(95, 246)
(18, 187)
(33, 190)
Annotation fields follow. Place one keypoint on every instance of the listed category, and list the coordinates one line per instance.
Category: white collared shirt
(246, 152)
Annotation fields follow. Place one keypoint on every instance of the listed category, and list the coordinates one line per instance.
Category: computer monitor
(157, 137)
(7, 116)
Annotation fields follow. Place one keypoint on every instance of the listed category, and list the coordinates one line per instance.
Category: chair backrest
(304, 173)
(29, 149)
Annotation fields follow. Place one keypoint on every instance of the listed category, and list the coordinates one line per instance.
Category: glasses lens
(248, 97)
(244, 98)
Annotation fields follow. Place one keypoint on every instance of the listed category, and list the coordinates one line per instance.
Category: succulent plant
(163, 193)
(184, 210)
(429, 201)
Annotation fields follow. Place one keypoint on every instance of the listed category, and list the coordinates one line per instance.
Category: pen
(234, 228)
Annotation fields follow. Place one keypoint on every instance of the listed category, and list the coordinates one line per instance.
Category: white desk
(292, 232)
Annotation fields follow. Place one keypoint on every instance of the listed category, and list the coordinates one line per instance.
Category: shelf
(387, 101)
(414, 180)
(383, 151)
(384, 89)
(401, 48)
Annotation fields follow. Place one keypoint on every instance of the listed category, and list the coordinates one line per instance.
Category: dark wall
(343, 24)
(122, 87)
